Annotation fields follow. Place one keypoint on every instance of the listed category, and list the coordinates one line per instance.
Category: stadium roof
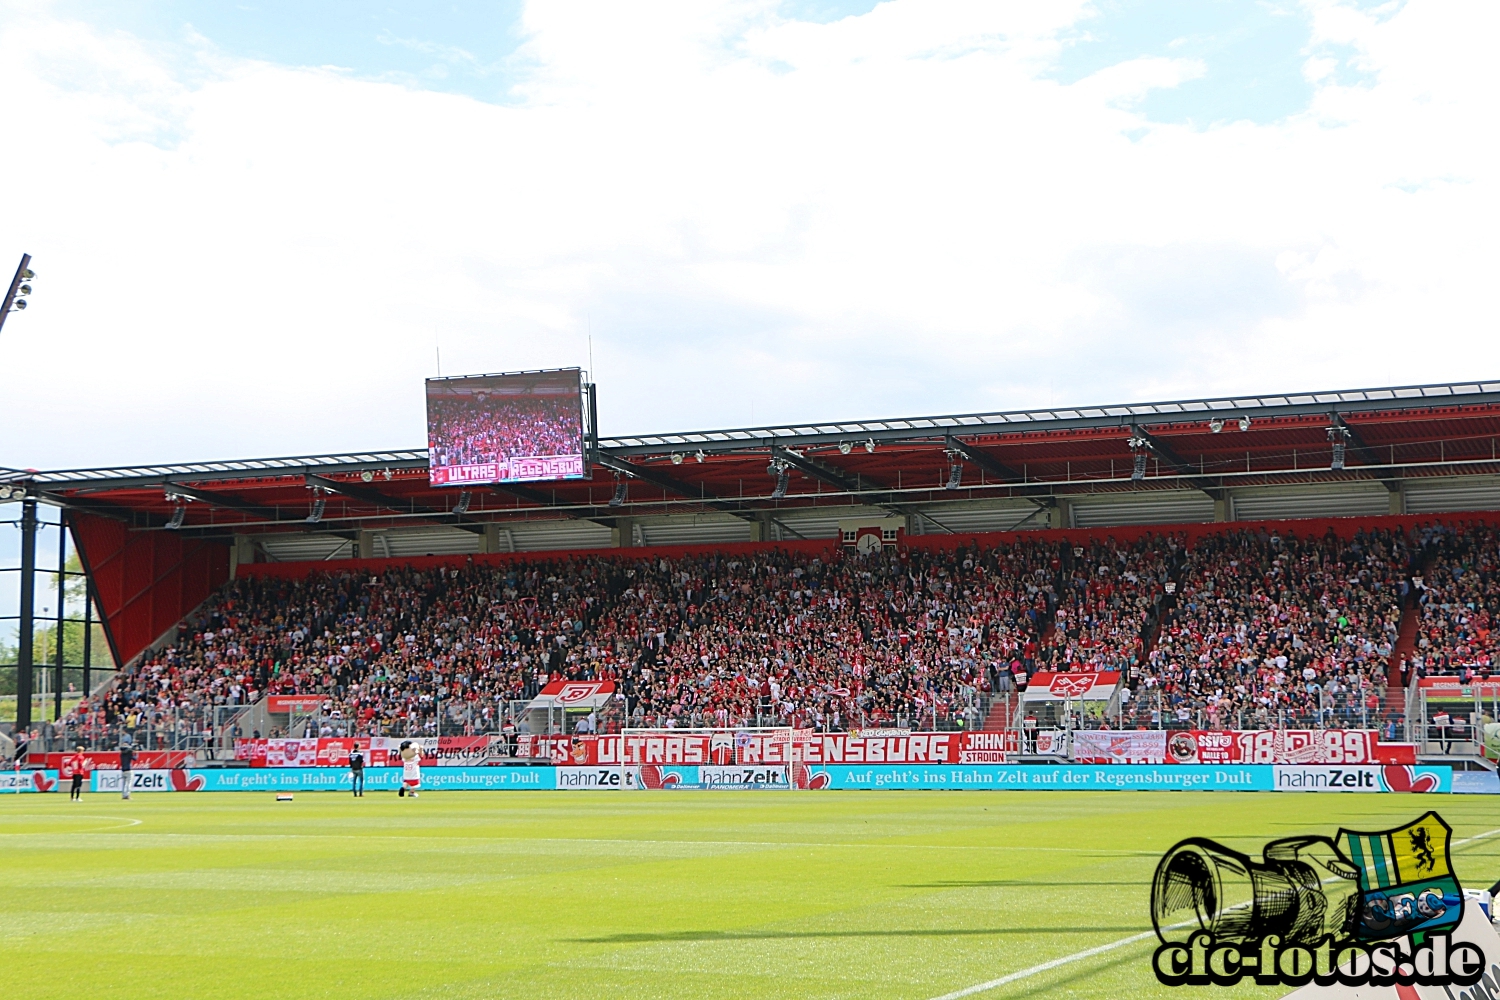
(1023, 461)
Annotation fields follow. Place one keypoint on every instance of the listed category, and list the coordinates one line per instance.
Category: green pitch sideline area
(909, 895)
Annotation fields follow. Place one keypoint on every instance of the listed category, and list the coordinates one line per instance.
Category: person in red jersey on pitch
(75, 766)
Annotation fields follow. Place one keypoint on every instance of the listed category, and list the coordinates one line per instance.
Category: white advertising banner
(153, 780)
(1129, 746)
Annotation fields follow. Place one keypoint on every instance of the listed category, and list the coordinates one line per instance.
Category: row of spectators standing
(1249, 626)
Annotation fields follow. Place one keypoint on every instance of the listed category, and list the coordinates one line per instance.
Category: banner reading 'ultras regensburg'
(517, 427)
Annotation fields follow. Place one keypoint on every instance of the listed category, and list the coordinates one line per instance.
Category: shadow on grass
(669, 936)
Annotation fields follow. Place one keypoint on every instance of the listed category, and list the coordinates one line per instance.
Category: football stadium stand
(903, 573)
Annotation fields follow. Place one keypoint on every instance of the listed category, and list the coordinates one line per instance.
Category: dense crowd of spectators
(1108, 596)
(1241, 628)
(480, 430)
(1268, 629)
(766, 638)
(1459, 594)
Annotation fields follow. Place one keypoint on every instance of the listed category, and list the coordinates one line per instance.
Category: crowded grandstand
(898, 621)
(1264, 630)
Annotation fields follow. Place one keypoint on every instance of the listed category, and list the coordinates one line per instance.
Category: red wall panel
(146, 581)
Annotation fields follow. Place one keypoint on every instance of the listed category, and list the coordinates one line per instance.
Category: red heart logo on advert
(670, 778)
(1403, 778)
(819, 780)
(42, 782)
(650, 775)
(186, 781)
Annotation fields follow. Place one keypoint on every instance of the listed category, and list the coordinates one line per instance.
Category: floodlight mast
(23, 273)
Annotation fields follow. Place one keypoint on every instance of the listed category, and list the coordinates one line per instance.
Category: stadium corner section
(833, 777)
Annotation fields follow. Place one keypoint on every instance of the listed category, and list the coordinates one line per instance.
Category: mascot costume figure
(411, 769)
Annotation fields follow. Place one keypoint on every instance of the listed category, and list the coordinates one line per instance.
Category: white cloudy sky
(253, 225)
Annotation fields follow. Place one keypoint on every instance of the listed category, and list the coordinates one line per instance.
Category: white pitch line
(1078, 956)
(1045, 966)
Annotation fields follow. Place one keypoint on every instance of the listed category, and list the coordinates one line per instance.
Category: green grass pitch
(622, 894)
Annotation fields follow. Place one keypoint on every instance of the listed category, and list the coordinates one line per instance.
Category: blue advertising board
(833, 777)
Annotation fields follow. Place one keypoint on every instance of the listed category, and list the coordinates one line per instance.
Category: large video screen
(516, 428)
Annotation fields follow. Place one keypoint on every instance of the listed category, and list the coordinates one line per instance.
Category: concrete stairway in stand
(1406, 644)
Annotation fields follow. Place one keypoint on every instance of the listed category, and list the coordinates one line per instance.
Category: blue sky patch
(460, 48)
(1254, 53)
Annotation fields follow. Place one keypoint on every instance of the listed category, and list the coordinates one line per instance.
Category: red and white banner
(989, 748)
(574, 694)
(1453, 687)
(780, 748)
(525, 467)
(1087, 686)
(385, 751)
(1204, 746)
(109, 760)
(1120, 746)
(283, 703)
(291, 753)
(556, 748)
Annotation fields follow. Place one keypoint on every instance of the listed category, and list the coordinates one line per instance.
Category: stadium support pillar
(241, 553)
(760, 528)
(1221, 508)
(1398, 500)
(1060, 514)
(364, 545)
(490, 540)
(622, 535)
(27, 612)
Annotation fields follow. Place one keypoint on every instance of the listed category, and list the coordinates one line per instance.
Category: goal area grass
(906, 895)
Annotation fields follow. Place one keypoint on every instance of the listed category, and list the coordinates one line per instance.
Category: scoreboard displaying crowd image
(510, 428)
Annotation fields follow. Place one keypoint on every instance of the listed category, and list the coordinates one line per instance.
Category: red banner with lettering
(109, 760)
(1222, 746)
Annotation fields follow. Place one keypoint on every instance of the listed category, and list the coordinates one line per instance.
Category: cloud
(892, 213)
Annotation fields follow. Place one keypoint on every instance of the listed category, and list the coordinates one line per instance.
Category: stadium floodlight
(367, 476)
(387, 475)
(462, 507)
(1140, 447)
(621, 488)
(1339, 436)
(870, 446)
(20, 287)
(700, 456)
(783, 479)
(1244, 423)
(1216, 425)
(955, 469)
(676, 458)
(845, 447)
(320, 502)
